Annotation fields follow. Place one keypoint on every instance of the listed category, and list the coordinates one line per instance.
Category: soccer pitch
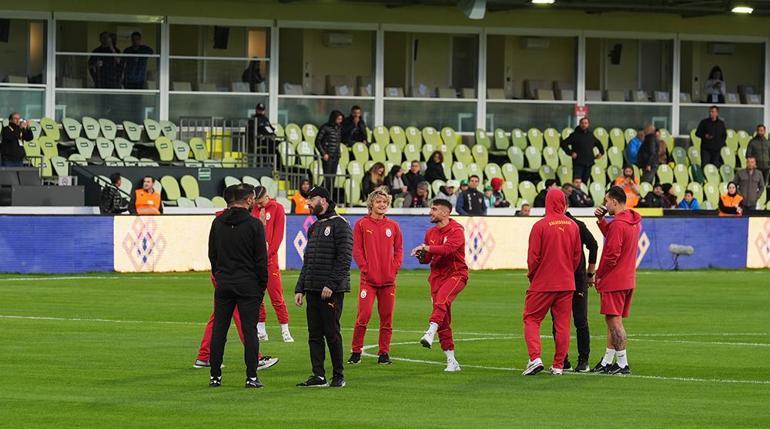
(117, 351)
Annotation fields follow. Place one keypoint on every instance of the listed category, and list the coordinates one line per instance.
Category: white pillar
(676, 85)
(379, 77)
(49, 109)
(272, 96)
(165, 71)
(481, 85)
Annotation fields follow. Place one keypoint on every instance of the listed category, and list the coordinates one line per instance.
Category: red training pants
(205, 351)
(443, 292)
(536, 306)
(386, 300)
(275, 290)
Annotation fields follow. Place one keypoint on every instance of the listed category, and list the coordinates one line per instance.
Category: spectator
(110, 200)
(146, 201)
(713, 135)
(689, 202)
(578, 198)
(647, 158)
(421, 196)
(540, 198)
(715, 88)
(447, 192)
(413, 177)
(105, 70)
(253, 76)
(299, 199)
(328, 143)
(759, 148)
(730, 203)
(489, 199)
(497, 193)
(523, 211)
(654, 198)
(463, 185)
(135, 74)
(751, 184)
(395, 183)
(471, 201)
(263, 141)
(669, 199)
(662, 149)
(13, 137)
(354, 128)
(632, 149)
(630, 185)
(373, 179)
(434, 169)
(580, 145)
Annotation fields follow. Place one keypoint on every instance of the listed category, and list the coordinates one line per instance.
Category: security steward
(261, 134)
(238, 256)
(324, 280)
(146, 201)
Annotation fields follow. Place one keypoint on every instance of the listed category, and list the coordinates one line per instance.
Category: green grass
(80, 368)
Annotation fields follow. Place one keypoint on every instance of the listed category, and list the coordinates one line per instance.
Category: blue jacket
(632, 150)
(692, 206)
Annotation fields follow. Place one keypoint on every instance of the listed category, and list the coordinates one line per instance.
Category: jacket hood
(235, 216)
(555, 202)
(628, 216)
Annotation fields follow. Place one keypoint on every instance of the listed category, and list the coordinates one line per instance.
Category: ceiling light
(543, 1)
(744, 10)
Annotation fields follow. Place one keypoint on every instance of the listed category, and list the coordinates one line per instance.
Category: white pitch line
(115, 277)
(493, 368)
(718, 343)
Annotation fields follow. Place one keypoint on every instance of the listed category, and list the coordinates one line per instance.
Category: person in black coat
(323, 282)
(434, 168)
(238, 256)
(713, 135)
(13, 137)
(647, 158)
(413, 177)
(354, 128)
(328, 143)
(580, 146)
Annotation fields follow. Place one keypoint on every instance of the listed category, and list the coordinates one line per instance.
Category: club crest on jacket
(327, 231)
(388, 233)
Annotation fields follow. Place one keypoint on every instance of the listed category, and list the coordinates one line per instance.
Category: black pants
(225, 301)
(710, 156)
(323, 322)
(581, 171)
(330, 170)
(580, 318)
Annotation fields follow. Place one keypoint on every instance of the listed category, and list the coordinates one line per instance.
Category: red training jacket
(275, 222)
(378, 250)
(617, 268)
(447, 251)
(554, 248)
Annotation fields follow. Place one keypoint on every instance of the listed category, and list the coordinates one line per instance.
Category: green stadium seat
(352, 193)
(727, 172)
(546, 172)
(398, 136)
(310, 132)
(36, 130)
(190, 187)
(564, 158)
(566, 132)
(596, 189)
(170, 189)
(133, 131)
(678, 190)
(450, 138)
(516, 156)
(629, 134)
(601, 162)
(511, 192)
(293, 134)
(666, 136)
(108, 128)
(145, 162)
(534, 159)
(219, 202)
(85, 147)
(694, 154)
(199, 149)
(551, 157)
(613, 172)
(728, 156)
(413, 136)
(475, 170)
(665, 174)
(480, 155)
(436, 185)
(448, 156)
(279, 131)
(463, 154)
(181, 150)
(48, 146)
(191, 163)
(412, 152)
(459, 170)
(393, 153)
(78, 159)
(492, 170)
(112, 161)
(598, 175)
(510, 173)
(381, 135)
(695, 140)
(712, 173)
(71, 128)
(431, 136)
(427, 150)
(360, 152)
(123, 147)
(165, 149)
(743, 139)
(482, 138)
(615, 155)
(286, 153)
(306, 153)
(697, 191)
(732, 140)
(251, 181)
(681, 174)
(344, 156)
(552, 138)
(679, 154)
(204, 202)
(502, 142)
(60, 165)
(127, 187)
(230, 181)
(742, 156)
(316, 172)
(377, 153)
(617, 138)
(185, 203)
(527, 191)
(762, 201)
(152, 128)
(131, 161)
(169, 129)
(601, 135)
(519, 139)
(645, 188)
(535, 138)
(230, 162)
(564, 173)
(50, 129)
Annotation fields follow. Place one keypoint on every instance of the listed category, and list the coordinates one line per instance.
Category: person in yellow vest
(146, 201)
(730, 203)
(299, 199)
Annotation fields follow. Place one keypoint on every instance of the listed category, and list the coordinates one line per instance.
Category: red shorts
(616, 303)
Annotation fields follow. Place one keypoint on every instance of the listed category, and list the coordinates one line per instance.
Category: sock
(261, 327)
(608, 357)
(450, 354)
(284, 327)
(622, 358)
(433, 328)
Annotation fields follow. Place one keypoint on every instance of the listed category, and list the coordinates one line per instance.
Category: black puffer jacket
(582, 142)
(328, 254)
(329, 139)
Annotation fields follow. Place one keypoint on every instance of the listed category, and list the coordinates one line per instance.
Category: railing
(221, 134)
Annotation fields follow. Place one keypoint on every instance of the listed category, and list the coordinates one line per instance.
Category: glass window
(22, 67)
(508, 115)
(534, 68)
(316, 110)
(628, 70)
(722, 72)
(229, 106)
(629, 115)
(736, 117)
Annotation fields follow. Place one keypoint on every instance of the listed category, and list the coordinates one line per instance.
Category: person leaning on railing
(110, 200)
(14, 136)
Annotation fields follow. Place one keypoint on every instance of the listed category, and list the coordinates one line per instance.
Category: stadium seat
(519, 139)
(492, 170)
(112, 161)
(762, 201)
(615, 155)
(712, 173)
(393, 154)
(78, 159)
(60, 166)
(71, 128)
(190, 187)
(125, 185)
(165, 149)
(534, 159)
(695, 140)
(181, 150)
(482, 138)
(535, 138)
(551, 157)
(596, 190)
(459, 170)
(85, 147)
(381, 135)
(413, 136)
(48, 146)
(728, 156)
(91, 128)
(546, 172)
(398, 136)
(480, 155)
(617, 138)
(601, 135)
(678, 190)
(510, 173)
(743, 139)
(230, 181)
(34, 126)
(132, 130)
(293, 134)
(168, 129)
(152, 129)
(598, 175)
(436, 185)
(251, 181)
(191, 163)
(697, 191)
(352, 192)
(516, 156)
(681, 174)
(527, 191)
(629, 134)
(613, 172)
(412, 152)
(305, 153)
(431, 136)
(427, 150)
(679, 154)
(376, 153)
(450, 138)
(665, 174)
(184, 203)
(204, 202)
(131, 161)
(564, 173)
(108, 128)
(693, 154)
(601, 162)
(145, 162)
(552, 138)
(360, 152)
(310, 131)
(742, 156)
(727, 172)
(732, 140)
(566, 132)
(50, 129)
(666, 136)
(502, 142)
(170, 189)
(475, 170)
(219, 202)
(104, 147)
(123, 147)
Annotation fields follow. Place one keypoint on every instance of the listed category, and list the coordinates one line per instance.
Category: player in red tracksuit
(554, 255)
(616, 276)
(273, 216)
(204, 352)
(444, 249)
(378, 251)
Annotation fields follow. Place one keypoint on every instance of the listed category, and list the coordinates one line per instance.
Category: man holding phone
(14, 136)
(616, 276)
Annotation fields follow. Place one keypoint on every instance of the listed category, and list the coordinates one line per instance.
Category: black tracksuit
(582, 143)
(328, 142)
(238, 256)
(580, 297)
(326, 263)
(710, 147)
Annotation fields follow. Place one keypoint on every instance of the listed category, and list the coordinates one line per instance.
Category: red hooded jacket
(378, 250)
(447, 251)
(554, 248)
(617, 268)
(275, 223)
